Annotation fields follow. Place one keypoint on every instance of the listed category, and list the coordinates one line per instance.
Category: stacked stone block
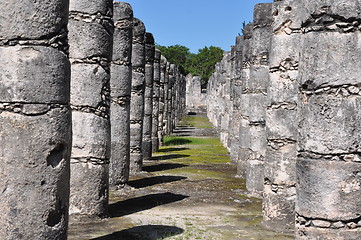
(219, 88)
(162, 96)
(137, 96)
(235, 98)
(90, 39)
(257, 94)
(148, 95)
(328, 166)
(195, 98)
(120, 86)
(312, 119)
(244, 129)
(167, 99)
(35, 120)
(156, 100)
(282, 122)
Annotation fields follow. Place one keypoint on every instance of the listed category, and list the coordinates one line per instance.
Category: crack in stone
(325, 223)
(58, 41)
(30, 109)
(92, 160)
(342, 157)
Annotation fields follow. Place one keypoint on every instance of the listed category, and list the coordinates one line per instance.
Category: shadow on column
(146, 232)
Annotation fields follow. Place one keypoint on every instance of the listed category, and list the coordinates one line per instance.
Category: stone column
(235, 96)
(120, 86)
(257, 92)
(137, 96)
(90, 39)
(328, 204)
(224, 97)
(35, 120)
(162, 85)
(244, 134)
(282, 122)
(148, 96)
(156, 100)
(169, 99)
(166, 100)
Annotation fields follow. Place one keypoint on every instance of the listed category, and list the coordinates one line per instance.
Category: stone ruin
(195, 95)
(85, 97)
(78, 81)
(292, 104)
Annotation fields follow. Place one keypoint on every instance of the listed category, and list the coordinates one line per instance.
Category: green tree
(176, 54)
(203, 63)
(200, 64)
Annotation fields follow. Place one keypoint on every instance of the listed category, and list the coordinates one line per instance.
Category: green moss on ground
(197, 122)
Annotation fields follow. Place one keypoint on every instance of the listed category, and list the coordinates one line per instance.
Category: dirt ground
(187, 191)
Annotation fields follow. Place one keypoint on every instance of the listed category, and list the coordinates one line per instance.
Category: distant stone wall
(296, 97)
(195, 98)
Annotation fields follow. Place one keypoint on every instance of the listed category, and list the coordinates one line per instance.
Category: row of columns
(85, 97)
(289, 91)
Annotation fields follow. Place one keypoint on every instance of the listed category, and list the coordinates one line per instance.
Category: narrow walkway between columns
(186, 191)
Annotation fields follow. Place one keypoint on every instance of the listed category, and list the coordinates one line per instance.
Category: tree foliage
(199, 64)
(176, 54)
(203, 63)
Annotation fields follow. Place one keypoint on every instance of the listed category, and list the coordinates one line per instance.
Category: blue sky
(194, 23)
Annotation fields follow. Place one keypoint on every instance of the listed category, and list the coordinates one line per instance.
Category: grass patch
(197, 122)
(173, 141)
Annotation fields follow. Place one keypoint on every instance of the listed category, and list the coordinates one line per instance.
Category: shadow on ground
(146, 232)
(138, 204)
(165, 150)
(177, 141)
(150, 181)
(168, 157)
(163, 167)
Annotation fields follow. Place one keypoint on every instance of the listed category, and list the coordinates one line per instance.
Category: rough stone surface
(328, 177)
(137, 96)
(244, 130)
(90, 39)
(257, 94)
(35, 120)
(148, 96)
(195, 97)
(156, 100)
(282, 123)
(120, 90)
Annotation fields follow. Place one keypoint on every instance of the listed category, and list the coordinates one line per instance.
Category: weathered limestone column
(162, 97)
(244, 129)
(259, 78)
(120, 86)
(169, 99)
(235, 98)
(137, 96)
(90, 39)
(225, 98)
(282, 121)
(328, 204)
(167, 106)
(35, 120)
(148, 96)
(156, 100)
